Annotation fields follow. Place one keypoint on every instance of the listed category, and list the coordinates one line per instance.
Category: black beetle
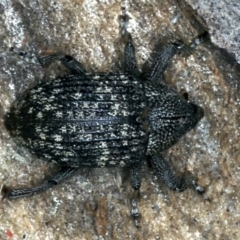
(104, 120)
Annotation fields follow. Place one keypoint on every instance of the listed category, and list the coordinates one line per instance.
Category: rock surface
(95, 203)
(222, 21)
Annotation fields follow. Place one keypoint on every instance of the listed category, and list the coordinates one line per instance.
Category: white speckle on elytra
(30, 110)
(47, 107)
(64, 129)
(59, 114)
(40, 115)
(57, 137)
(42, 136)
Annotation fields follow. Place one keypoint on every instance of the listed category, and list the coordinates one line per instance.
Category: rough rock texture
(95, 203)
(222, 21)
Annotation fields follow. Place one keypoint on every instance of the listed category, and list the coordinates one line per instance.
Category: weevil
(91, 120)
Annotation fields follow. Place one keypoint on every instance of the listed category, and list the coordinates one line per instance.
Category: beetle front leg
(175, 183)
(135, 172)
(61, 175)
(162, 57)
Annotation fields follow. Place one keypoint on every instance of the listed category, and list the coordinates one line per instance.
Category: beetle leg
(69, 62)
(130, 59)
(164, 54)
(175, 183)
(130, 62)
(135, 172)
(61, 175)
(161, 60)
(123, 22)
(201, 38)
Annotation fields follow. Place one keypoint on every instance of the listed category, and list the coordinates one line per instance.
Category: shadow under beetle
(104, 120)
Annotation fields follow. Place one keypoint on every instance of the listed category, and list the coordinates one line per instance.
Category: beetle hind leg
(61, 175)
(69, 62)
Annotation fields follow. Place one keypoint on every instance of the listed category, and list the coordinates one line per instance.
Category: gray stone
(222, 20)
